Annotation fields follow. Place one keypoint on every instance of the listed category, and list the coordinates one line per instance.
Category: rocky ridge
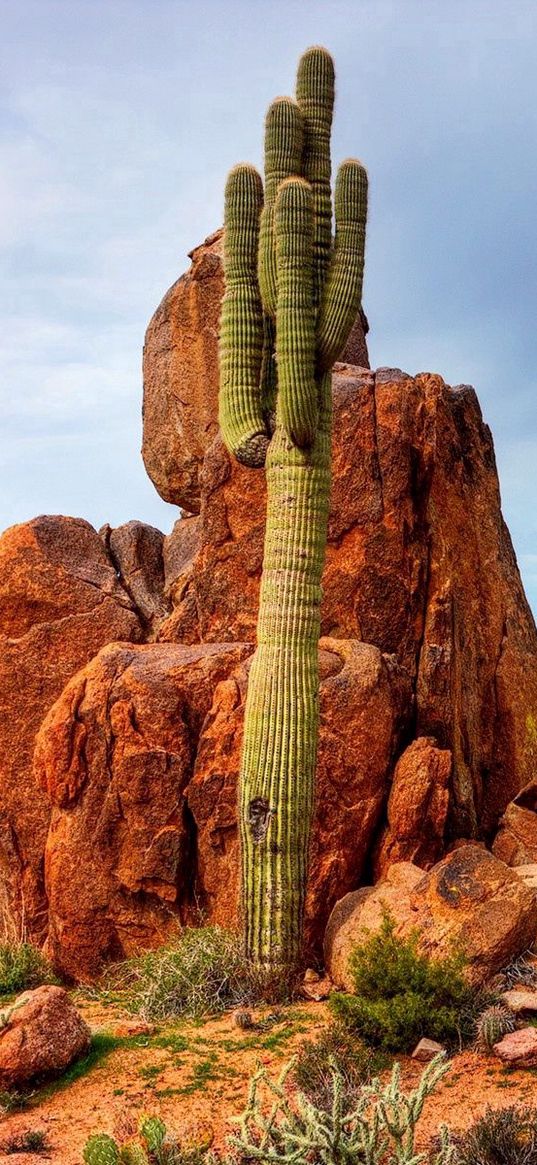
(125, 825)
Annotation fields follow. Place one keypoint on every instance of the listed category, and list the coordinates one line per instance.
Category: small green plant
(493, 1024)
(402, 995)
(150, 1144)
(204, 973)
(380, 1129)
(22, 966)
(33, 1141)
(502, 1136)
(335, 1046)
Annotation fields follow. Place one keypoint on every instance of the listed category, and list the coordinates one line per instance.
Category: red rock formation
(115, 755)
(142, 772)
(417, 807)
(469, 901)
(419, 562)
(60, 601)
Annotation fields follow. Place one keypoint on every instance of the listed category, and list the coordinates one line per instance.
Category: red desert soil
(195, 1076)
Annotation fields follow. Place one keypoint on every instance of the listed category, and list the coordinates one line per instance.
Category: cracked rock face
(140, 758)
(60, 601)
(419, 562)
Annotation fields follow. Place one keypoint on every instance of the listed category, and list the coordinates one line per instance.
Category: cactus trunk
(288, 288)
(282, 711)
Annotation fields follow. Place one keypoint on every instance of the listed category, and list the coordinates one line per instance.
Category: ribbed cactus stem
(315, 96)
(342, 294)
(295, 319)
(241, 325)
(284, 140)
(100, 1149)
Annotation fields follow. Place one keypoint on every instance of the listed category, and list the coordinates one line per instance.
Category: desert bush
(279, 1126)
(204, 973)
(402, 995)
(32, 1141)
(502, 1136)
(334, 1047)
(22, 966)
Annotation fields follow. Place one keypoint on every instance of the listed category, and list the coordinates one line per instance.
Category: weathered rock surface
(469, 901)
(137, 552)
(115, 755)
(41, 1033)
(364, 699)
(520, 1000)
(181, 376)
(417, 807)
(414, 480)
(60, 601)
(518, 1049)
(516, 840)
(140, 757)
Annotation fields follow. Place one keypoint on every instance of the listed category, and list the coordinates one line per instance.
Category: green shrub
(334, 1047)
(502, 1136)
(22, 966)
(402, 995)
(278, 1127)
(204, 973)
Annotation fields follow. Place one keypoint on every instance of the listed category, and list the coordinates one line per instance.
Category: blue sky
(119, 120)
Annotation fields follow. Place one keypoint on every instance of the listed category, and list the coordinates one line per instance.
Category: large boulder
(414, 480)
(469, 902)
(115, 755)
(181, 376)
(365, 704)
(140, 757)
(60, 601)
(41, 1033)
(417, 807)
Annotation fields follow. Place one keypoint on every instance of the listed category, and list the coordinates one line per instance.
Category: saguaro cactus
(291, 297)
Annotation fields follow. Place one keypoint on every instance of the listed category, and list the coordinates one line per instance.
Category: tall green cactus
(291, 297)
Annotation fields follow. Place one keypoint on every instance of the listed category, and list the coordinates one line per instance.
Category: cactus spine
(291, 297)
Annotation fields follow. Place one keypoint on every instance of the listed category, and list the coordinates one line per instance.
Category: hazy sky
(119, 121)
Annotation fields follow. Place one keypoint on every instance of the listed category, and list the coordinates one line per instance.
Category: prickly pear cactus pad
(291, 296)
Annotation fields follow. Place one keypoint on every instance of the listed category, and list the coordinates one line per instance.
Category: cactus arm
(295, 324)
(284, 139)
(315, 97)
(342, 294)
(241, 323)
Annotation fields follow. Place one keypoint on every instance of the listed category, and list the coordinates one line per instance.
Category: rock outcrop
(417, 807)
(140, 757)
(41, 1033)
(115, 755)
(469, 902)
(429, 692)
(60, 601)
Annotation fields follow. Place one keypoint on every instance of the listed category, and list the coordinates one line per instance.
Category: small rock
(518, 1049)
(317, 990)
(311, 976)
(41, 1033)
(521, 1000)
(427, 1050)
